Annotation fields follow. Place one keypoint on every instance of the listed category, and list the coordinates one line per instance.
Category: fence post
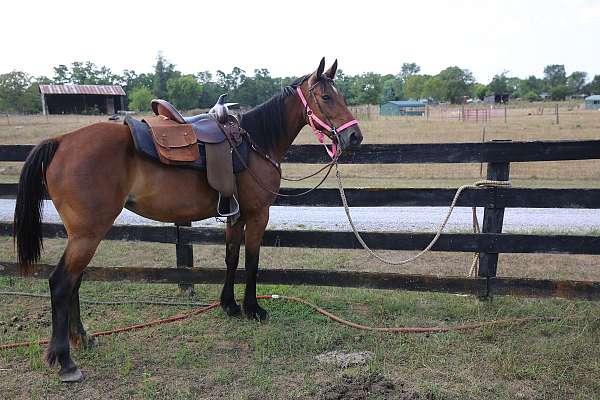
(185, 259)
(556, 113)
(493, 218)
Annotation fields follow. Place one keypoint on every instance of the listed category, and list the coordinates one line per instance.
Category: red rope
(333, 317)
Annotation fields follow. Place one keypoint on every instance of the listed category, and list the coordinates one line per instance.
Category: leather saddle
(176, 140)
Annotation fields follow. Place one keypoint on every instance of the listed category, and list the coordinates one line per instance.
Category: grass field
(211, 356)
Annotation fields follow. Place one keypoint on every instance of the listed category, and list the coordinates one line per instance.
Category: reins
(313, 120)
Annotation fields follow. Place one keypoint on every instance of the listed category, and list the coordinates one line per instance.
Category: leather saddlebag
(176, 144)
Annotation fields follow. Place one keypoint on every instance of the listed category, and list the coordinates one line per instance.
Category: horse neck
(295, 121)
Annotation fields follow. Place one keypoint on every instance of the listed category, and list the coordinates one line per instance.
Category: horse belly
(170, 194)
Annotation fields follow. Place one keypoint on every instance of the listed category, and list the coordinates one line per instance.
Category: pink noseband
(312, 118)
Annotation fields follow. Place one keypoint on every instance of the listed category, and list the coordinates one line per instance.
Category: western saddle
(176, 141)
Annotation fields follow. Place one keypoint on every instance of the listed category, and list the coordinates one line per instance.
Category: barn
(82, 99)
(592, 102)
(402, 107)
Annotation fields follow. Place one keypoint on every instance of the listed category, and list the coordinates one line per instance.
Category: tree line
(19, 91)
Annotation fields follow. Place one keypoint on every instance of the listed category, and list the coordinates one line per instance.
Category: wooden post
(493, 218)
(44, 110)
(185, 259)
(556, 113)
(505, 113)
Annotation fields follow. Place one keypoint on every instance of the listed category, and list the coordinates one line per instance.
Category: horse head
(326, 109)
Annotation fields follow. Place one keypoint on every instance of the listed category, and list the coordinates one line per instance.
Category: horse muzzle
(350, 138)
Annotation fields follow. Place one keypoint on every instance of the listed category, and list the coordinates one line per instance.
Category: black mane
(266, 122)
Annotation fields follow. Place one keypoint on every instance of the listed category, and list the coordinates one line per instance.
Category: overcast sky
(290, 37)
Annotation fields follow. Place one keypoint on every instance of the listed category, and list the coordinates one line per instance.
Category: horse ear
(330, 73)
(320, 69)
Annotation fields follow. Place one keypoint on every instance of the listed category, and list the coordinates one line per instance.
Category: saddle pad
(143, 143)
(175, 143)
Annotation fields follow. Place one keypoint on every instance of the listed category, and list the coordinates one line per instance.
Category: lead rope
(476, 185)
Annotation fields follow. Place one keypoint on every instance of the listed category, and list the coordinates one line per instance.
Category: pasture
(211, 356)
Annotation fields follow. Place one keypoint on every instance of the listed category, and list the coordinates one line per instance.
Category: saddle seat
(166, 109)
(176, 141)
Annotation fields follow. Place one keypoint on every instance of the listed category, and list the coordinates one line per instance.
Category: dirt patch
(344, 360)
(374, 386)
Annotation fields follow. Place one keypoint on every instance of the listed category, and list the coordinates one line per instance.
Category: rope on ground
(333, 317)
(476, 185)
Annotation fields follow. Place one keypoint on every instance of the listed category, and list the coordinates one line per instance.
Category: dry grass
(574, 124)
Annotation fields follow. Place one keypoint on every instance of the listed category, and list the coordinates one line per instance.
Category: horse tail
(27, 227)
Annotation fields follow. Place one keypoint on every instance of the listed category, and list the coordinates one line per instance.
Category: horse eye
(325, 97)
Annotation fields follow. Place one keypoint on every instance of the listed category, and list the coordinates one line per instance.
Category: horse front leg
(233, 240)
(254, 234)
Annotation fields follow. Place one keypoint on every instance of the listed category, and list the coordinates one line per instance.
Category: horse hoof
(256, 313)
(232, 310)
(71, 376)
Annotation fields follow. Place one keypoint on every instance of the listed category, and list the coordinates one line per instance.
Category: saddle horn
(220, 109)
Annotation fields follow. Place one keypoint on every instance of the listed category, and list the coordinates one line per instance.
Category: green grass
(212, 356)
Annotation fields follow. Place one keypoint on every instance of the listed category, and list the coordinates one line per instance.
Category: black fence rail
(490, 243)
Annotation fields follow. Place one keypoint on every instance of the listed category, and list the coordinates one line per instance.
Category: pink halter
(312, 118)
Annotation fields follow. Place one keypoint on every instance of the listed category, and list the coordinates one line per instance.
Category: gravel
(405, 219)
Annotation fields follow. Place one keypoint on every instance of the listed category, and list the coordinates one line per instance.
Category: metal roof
(408, 103)
(593, 97)
(103, 90)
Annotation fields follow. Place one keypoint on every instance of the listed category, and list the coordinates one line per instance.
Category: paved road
(415, 219)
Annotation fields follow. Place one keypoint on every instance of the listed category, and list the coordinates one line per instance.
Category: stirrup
(229, 207)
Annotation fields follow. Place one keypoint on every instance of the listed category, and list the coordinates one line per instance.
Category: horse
(92, 173)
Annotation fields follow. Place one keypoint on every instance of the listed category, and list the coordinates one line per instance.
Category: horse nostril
(355, 139)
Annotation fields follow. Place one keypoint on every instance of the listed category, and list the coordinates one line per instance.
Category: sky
(290, 37)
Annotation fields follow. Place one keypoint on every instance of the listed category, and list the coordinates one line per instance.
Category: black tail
(27, 228)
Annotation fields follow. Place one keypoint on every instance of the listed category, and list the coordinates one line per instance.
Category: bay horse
(94, 172)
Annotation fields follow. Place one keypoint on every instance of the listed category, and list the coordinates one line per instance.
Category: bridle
(334, 153)
(313, 120)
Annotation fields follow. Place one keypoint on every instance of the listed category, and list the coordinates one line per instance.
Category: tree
(140, 99)
(456, 82)
(531, 96)
(409, 69)
(413, 86)
(559, 92)
(184, 91)
(163, 71)
(593, 87)
(61, 75)
(367, 88)
(479, 91)
(531, 84)
(576, 81)
(555, 75)
(343, 83)
(499, 84)
(392, 88)
(18, 93)
(435, 88)
(232, 81)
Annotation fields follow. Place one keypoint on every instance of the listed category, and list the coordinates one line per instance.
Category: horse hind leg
(78, 337)
(64, 282)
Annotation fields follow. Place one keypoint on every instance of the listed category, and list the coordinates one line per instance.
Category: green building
(403, 107)
(592, 102)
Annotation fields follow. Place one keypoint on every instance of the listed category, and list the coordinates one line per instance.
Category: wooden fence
(497, 155)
